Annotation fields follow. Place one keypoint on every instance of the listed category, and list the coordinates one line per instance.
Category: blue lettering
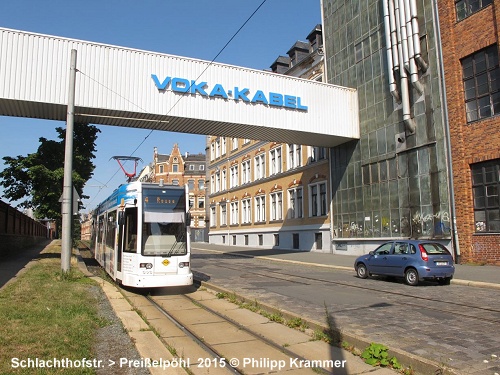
(198, 87)
(259, 97)
(290, 101)
(180, 85)
(241, 94)
(163, 85)
(300, 106)
(276, 99)
(218, 90)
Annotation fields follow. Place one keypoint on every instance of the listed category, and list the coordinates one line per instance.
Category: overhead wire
(178, 100)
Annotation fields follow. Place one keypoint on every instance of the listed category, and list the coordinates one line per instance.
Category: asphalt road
(453, 325)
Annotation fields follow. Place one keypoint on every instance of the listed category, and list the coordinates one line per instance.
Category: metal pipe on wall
(390, 65)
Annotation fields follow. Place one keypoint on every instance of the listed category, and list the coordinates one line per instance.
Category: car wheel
(445, 281)
(361, 271)
(411, 276)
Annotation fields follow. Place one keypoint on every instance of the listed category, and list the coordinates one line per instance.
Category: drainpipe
(411, 49)
(390, 66)
(416, 38)
(405, 94)
(442, 87)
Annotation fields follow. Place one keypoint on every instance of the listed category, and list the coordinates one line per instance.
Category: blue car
(415, 260)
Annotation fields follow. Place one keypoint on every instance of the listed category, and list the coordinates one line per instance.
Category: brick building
(470, 54)
(272, 194)
(187, 169)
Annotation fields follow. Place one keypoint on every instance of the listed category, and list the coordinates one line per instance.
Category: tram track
(403, 298)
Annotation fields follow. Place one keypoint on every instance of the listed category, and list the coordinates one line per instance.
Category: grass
(46, 314)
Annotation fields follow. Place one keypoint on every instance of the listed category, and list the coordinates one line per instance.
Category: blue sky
(191, 28)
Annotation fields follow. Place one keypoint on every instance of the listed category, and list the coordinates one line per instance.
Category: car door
(378, 260)
(398, 259)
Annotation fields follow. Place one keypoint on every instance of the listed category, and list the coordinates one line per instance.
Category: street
(453, 325)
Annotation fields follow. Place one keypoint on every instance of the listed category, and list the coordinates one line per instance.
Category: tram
(140, 235)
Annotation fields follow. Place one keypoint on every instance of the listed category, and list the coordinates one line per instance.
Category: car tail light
(423, 253)
(183, 264)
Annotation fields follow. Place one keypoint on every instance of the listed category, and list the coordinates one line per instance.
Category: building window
(223, 146)
(465, 8)
(217, 148)
(486, 188)
(190, 185)
(318, 239)
(175, 168)
(223, 214)
(260, 209)
(276, 205)
(201, 167)
(317, 153)
(213, 221)
(234, 213)
(212, 152)
(223, 185)
(201, 184)
(160, 169)
(275, 156)
(201, 202)
(217, 181)
(245, 172)
(481, 76)
(260, 166)
(295, 207)
(175, 182)
(233, 182)
(246, 211)
(191, 167)
(317, 199)
(234, 144)
(294, 156)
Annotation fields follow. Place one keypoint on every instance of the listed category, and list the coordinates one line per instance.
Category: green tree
(37, 179)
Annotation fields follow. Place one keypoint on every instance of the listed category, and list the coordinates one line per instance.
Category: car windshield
(435, 248)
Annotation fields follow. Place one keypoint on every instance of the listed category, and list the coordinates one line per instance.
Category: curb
(419, 364)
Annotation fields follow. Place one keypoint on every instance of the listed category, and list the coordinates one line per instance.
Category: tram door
(127, 234)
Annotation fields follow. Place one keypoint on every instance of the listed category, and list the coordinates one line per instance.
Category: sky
(191, 28)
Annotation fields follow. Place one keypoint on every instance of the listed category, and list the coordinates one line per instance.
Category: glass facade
(392, 182)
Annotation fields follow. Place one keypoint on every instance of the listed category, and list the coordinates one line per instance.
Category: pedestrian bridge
(134, 88)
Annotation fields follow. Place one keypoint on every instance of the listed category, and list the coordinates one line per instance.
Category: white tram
(140, 235)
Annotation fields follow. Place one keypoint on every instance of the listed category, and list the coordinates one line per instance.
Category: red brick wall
(475, 142)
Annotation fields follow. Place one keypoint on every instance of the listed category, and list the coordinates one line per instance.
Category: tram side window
(111, 229)
(131, 230)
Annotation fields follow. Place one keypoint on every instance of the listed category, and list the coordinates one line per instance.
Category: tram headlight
(147, 266)
(183, 264)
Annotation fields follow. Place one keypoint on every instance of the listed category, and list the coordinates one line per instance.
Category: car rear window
(435, 248)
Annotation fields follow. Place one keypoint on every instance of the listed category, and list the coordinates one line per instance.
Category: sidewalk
(471, 275)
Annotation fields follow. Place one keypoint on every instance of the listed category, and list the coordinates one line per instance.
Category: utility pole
(67, 209)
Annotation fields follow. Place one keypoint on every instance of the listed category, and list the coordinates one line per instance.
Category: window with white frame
(191, 167)
(217, 148)
(212, 183)
(275, 156)
(260, 166)
(295, 206)
(212, 151)
(190, 185)
(317, 206)
(245, 172)
(234, 181)
(246, 211)
(276, 205)
(234, 144)
(223, 146)
(223, 213)
(260, 209)
(223, 185)
(317, 153)
(201, 184)
(246, 141)
(213, 218)
(217, 181)
(201, 202)
(234, 213)
(294, 156)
